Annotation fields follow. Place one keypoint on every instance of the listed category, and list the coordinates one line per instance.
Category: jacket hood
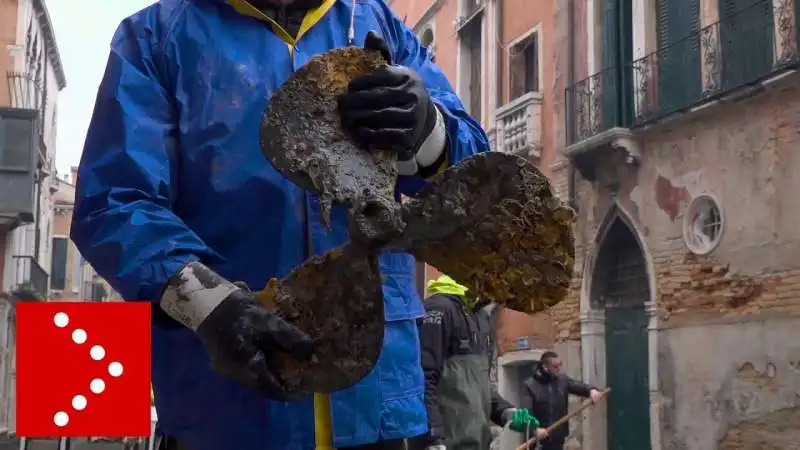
(447, 286)
(444, 285)
(297, 3)
(246, 8)
(539, 374)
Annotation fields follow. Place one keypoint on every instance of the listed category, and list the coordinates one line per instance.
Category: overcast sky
(83, 31)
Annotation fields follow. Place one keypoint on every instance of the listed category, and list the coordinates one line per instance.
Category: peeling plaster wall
(728, 351)
(731, 386)
(745, 154)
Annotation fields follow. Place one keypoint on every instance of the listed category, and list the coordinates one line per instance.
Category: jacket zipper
(550, 403)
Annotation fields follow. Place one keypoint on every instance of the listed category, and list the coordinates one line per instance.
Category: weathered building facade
(672, 126)
(681, 121)
(34, 76)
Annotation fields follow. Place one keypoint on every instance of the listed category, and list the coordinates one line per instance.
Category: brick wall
(744, 154)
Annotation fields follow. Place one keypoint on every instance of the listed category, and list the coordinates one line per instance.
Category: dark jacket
(546, 397)
(459, 398)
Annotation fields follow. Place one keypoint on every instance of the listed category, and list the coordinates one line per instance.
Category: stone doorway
(619, 338)
(621, 290)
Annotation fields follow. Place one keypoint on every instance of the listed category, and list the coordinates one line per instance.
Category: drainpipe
(36, 222)
(571, 172)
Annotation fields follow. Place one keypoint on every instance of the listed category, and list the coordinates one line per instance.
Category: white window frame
(428, 21)
(77, 268)
(533, 31)
(644, 23)
(462, 59)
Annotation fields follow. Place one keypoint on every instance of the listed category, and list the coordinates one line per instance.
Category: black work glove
(389, 108)
(238, 332)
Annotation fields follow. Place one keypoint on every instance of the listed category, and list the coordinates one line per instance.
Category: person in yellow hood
(459, 397)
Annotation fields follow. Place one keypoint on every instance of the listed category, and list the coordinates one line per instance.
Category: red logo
(83, 369)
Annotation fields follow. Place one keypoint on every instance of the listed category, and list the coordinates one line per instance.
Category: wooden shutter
(746, 40)
(625, 69)
(679, 73)
(610, 91)
(58, 264)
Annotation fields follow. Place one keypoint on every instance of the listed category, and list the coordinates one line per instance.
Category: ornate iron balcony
(593, 106)
(25, 90)
(741, 49)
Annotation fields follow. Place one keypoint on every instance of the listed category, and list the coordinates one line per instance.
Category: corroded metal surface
(337, 299)
(493, 224)
(301, 135)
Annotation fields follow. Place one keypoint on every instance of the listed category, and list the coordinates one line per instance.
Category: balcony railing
(742, 49)
(31, 280)
(25, 90)
(519, 126)
(593, 106)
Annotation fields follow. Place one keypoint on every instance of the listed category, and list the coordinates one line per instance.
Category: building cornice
(52, 47)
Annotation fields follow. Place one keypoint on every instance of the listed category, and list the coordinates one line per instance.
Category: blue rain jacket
(172, 172)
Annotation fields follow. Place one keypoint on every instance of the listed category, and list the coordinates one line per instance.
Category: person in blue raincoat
(175, 200)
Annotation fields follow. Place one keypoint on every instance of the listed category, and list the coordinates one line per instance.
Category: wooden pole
(586, 404)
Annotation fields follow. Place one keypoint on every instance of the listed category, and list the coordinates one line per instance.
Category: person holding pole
(546, 395)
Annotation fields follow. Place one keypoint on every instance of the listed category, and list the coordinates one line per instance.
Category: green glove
(522, 421)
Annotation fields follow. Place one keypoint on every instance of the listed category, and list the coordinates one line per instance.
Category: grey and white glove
(239, 334)
(507, 414)
(436, 447)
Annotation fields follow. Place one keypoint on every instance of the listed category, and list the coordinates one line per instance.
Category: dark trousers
(552, 445)
(398, 444)
(172, 444)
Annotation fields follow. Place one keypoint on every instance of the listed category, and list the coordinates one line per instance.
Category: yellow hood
(446, 285)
